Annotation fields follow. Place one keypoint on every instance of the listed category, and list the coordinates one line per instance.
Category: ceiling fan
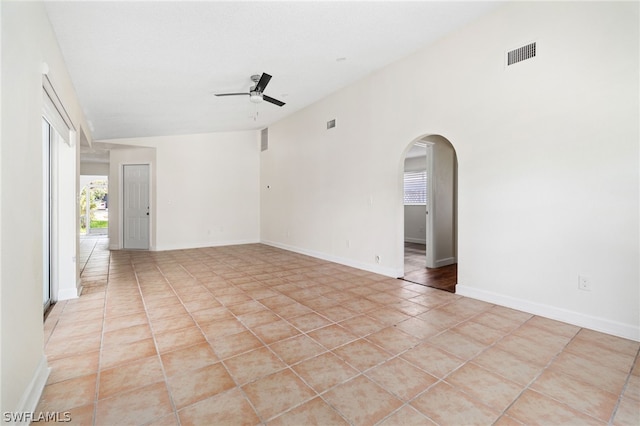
(255, 92)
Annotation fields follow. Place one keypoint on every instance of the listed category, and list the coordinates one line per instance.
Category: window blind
(415, 188)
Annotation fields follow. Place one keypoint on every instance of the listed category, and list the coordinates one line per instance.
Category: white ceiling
(150, 68)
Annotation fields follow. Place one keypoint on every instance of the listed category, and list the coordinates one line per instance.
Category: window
(415, 188)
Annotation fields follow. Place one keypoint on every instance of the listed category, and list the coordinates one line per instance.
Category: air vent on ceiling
(331, 124)
(264, 139)
(521, 54)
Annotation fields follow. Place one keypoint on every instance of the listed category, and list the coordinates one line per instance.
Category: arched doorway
(429, 174)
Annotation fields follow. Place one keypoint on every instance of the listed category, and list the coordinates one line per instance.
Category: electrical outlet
(584, 283)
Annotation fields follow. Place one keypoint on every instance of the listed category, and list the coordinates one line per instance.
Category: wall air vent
(521, 54)
(264, 139)
(331, 124)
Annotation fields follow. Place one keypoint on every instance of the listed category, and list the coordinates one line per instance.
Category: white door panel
(136, 206)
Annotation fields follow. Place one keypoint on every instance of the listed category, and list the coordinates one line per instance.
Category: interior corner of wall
(32, 393)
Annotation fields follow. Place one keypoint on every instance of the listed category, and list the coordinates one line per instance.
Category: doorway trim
(431, 221)
(429, 208)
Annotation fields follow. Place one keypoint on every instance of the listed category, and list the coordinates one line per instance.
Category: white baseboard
(186, 246)
(80, 287)
(377, 269)
(627, 331)
(31, 396)
(415, 240)
(444, 262)
(68, 293)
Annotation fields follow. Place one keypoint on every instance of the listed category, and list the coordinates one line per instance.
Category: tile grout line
(239, 387)
(289, 366)
(624, 388)
(104, 319)
(317, 276)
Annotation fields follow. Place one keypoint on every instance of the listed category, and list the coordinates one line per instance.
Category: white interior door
(429, 210)
(46, 214)
(136, 206)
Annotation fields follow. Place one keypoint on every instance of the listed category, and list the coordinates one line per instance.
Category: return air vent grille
(521, 54)
(264, 139)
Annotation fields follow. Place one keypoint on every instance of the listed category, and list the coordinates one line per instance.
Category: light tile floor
(256, 335)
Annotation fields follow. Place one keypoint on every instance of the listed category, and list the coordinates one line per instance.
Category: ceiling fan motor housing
(255, 91)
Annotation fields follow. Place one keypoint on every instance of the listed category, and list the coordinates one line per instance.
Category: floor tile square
(68, 394)
(590, 371)
(393, 340)
(628, 413)
(273, 394)
(196, 385)
(253, 365)
(138, 406)
(309, 321)
(275, 331)
(314, 412)
(221, 328)
(297, 349)
(177, 339)
(401, 378)
(406, 416)
(361, 401)
(226, 408)
(362, 354)
(493, 390)
(324, 371)
(388, 316)
(457, 344)
(362, 325)
(576, 394)
(190, 358)
(332, 336)
(255, 319)
(508, 366)
(73, 366)
(433, 360)
(235, 344)
(445, 405)
(122, 354)
(135, 374)
(535, 408)
(418, 328)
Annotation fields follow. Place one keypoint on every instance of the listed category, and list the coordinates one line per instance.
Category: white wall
(27, 41)
(66, 214)
(205, 189)
(94, 169)
(547, 161)
(414, 224)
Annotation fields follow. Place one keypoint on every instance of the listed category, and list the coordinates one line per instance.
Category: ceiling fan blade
(273, 101)
(229, 94)
(264, 80)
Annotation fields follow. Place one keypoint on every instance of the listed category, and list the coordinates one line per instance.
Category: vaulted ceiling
(150, 68)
